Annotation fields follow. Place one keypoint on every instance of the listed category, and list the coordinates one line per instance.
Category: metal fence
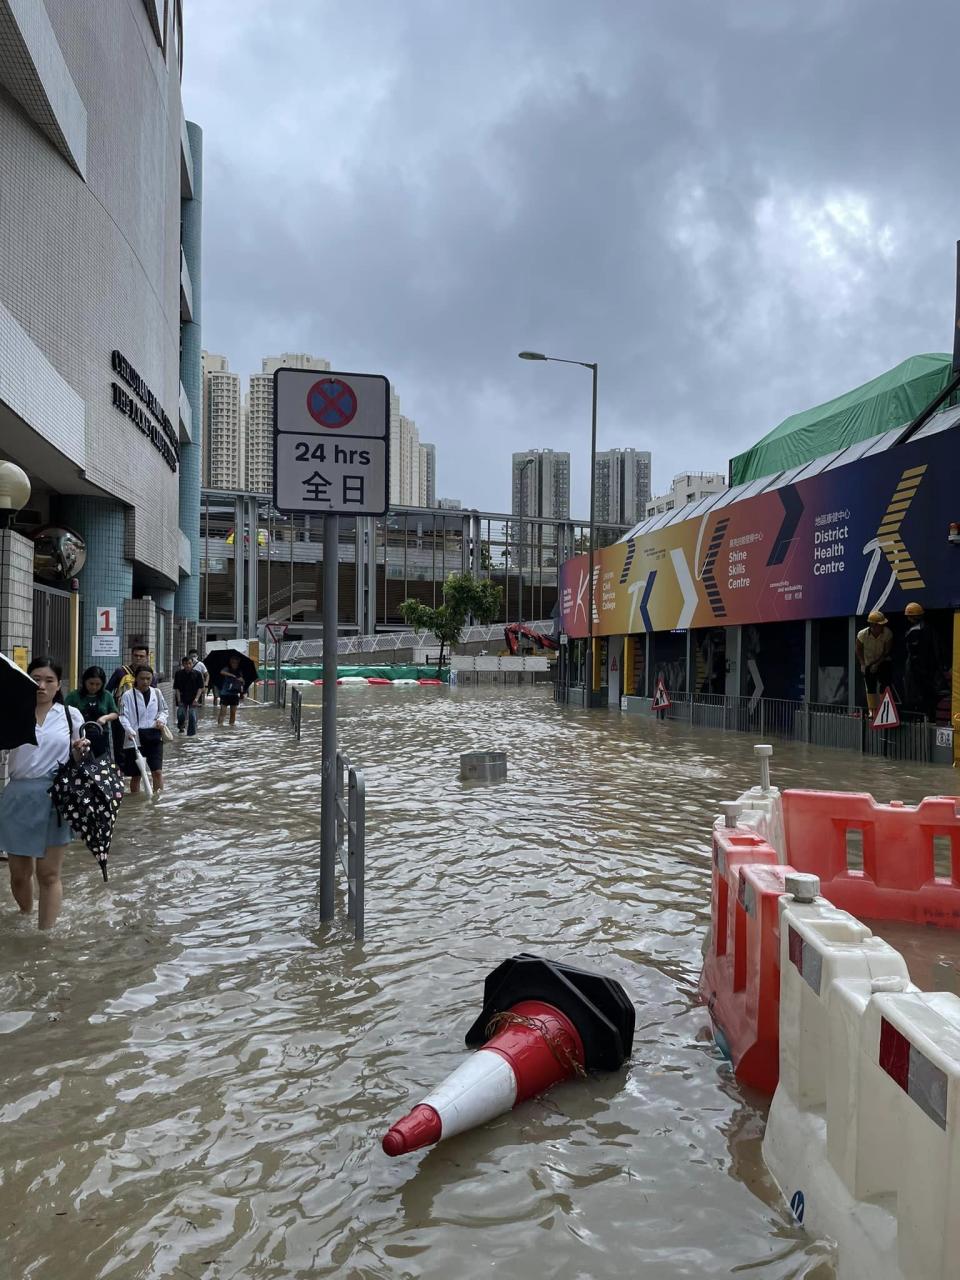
(820, 724)
(393, 641)
(351, 837)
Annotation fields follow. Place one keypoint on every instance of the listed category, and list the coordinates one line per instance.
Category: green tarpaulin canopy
(892, 400)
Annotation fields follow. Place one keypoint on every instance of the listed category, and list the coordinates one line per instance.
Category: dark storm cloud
(738, 209)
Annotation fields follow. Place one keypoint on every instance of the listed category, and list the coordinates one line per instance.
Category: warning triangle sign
(661, 699)
(887, 716)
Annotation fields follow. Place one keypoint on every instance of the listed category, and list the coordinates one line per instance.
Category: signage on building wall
(870, 535)
(105, 646)
(144, 410)
(331, 442)
(106, 620)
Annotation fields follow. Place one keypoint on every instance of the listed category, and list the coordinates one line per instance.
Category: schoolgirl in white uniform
(31, 832)
(143, 713)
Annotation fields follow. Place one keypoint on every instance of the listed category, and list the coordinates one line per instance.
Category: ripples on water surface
(196, 1077)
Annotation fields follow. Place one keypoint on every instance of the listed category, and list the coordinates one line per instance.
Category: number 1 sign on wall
(106, 620)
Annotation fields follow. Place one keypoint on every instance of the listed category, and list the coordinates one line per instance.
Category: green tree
(468, 598)
(463, 597)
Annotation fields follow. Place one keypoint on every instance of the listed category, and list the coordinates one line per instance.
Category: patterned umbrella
(86, 793)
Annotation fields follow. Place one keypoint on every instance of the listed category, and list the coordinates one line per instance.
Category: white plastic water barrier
(862, 1136)
(491, 662)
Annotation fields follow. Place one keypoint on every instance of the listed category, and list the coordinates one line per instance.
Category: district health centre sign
(869, 535)
(331, 442)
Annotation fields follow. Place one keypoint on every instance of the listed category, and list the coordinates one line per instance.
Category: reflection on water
(196, 1075)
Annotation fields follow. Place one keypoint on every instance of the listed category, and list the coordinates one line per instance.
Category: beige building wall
(224, 463)
(259, 417)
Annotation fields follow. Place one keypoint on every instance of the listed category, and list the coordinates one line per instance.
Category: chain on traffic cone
(541, 1023)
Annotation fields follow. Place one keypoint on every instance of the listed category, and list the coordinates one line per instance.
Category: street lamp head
(531, 355)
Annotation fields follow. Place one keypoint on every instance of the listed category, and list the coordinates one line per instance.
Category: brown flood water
(196, 1077)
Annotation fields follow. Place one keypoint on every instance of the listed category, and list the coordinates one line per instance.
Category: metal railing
(392, 641)
(793, 720)
(351, 837)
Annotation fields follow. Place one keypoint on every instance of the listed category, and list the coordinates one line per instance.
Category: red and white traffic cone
(536, 1047)
(533, 1044)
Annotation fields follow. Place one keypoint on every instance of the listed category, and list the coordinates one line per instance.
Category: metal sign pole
(328, 777)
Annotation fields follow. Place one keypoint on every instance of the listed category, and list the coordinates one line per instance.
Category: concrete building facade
(100, 294)
(223, 426)
(428, 475)
(622, 485)
(259, 416)
(688, 486)
(545, 484)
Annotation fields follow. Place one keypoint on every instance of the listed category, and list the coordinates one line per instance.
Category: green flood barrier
(384, 673)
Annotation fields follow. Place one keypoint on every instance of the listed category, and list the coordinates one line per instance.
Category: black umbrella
(86, 793)
(216, 660)
(18, 697)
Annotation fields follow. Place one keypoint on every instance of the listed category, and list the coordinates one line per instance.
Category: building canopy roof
(892, 400)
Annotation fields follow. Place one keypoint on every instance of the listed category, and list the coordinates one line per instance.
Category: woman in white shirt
(31, 832)
(143, 713)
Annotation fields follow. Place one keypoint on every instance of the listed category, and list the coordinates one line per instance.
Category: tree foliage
(463, 598)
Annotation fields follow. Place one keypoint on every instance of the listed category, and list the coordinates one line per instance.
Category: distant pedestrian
(96, 705)
(187, 689)
(231, 687)
(120, 681)
(874, 656)
(143, 714)
(199, 667)
(31, 832)
(922, 673)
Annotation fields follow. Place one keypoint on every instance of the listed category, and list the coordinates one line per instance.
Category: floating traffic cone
(541, 1023)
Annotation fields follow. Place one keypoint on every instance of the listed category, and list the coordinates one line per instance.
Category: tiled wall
(106, 580)
(87, 266)
(16, 592)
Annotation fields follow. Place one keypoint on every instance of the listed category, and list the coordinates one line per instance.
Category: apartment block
(622, 484)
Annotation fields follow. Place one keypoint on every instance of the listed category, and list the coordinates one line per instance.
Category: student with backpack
(119, 683)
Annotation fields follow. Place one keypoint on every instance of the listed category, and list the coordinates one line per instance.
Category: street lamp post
(592, 366)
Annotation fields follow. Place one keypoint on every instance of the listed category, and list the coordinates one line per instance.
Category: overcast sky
(739, 208)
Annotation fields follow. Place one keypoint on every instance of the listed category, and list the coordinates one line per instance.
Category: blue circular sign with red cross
(332, 402)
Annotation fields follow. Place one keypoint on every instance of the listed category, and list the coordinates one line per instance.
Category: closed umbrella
(18, 697)
(86, 793)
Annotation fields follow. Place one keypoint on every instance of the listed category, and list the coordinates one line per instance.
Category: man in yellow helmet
(874, 653)
(922, 672)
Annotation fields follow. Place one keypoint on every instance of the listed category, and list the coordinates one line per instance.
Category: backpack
(126, 682)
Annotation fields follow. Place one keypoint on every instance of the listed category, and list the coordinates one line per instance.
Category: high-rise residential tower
(428, 475)
(223, 437)
(622, 485)
(546, 484)
(259, 451)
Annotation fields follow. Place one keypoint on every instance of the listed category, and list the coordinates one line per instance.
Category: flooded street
(196, 1077)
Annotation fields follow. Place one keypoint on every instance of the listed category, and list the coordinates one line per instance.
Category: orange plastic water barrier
(879, 861)
(740, 983)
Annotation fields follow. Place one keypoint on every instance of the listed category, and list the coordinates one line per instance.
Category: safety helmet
(877, 619)
(914, 610)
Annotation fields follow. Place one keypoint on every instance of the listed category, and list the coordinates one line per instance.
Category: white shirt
(198, 666)
(136, 715)
(53, 744)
